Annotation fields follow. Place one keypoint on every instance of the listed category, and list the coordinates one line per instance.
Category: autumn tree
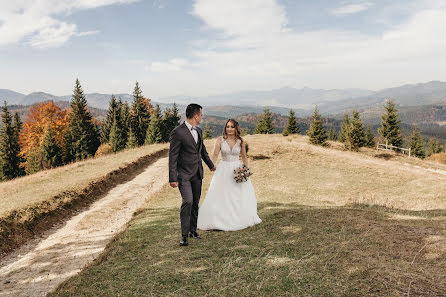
(40, 116)
(82, 139)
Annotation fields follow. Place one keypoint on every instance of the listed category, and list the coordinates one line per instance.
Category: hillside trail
(40, 266)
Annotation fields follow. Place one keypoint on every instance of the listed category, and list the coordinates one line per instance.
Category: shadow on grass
(296, 251)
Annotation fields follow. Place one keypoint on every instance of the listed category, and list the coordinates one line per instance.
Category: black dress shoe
(183, 241)
(194, 234)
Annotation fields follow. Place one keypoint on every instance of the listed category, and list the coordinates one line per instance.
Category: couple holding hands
(229, 205)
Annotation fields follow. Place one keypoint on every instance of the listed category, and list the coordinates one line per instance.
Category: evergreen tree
(17, 124)
(154, 134)
(82, 139)
(292, 126)
(355, 136)
(116, 135)
(207, 132)
(139, 116)
(125, 115)
(345, 126)
(369, 140)
(131, 141)
(416, 144)
(316, 132)
(9, 147)
(51, 153)
(390, 125)
(265, 124)
(113, 109)
(34, 161)
(171, 120)
(332, 134)
(433, 147)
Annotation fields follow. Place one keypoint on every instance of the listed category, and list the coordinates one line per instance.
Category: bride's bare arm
(244, 155)
(216, 150)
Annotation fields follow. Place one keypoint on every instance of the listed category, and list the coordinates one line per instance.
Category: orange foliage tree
(39, 117)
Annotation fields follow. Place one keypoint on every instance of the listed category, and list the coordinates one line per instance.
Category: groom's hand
(174, 184)
(213, 169)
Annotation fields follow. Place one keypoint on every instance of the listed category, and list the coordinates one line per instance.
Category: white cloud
(254, 45)
(352, 8)
(39, 21)
(176, 64)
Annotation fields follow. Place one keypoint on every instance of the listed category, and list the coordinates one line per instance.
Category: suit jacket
(185, 155)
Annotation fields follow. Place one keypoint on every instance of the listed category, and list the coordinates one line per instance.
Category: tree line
(52, 137)
(353, 133)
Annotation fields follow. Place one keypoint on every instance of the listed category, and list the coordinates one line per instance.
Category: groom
(185, 168)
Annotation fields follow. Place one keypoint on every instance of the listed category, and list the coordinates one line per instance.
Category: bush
(103, 150)
(439, 157)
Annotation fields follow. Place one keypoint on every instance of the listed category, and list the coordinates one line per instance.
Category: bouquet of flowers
(241, 174)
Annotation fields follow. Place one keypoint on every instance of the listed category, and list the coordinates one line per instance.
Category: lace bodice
(229, 155)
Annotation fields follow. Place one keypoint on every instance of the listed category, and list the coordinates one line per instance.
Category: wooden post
(409, 152)
(386, 144)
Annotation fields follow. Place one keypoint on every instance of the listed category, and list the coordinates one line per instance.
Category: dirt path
(40, 266)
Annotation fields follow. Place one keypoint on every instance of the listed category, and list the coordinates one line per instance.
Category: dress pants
(190, 192)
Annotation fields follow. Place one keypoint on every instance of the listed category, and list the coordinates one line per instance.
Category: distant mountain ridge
(303, 100)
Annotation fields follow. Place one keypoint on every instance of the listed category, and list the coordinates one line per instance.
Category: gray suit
(185, 167)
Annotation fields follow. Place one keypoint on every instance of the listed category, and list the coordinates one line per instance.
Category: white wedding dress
(228, 206)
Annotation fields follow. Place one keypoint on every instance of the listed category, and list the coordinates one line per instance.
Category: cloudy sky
(206, 47)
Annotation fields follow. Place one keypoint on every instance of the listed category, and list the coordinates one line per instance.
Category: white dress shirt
(193, 131)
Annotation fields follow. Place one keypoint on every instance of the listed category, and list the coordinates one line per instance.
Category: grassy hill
(335, 223)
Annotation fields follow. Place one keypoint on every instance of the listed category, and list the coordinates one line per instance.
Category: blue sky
(206, 47)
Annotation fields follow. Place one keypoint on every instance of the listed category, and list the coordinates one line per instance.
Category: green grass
(295, 251)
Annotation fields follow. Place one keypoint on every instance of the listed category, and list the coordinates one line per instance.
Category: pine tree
(292, 126)
(154, 134)
(82, 139)
(125, 115)
(433, 147)
(9, 148)
(131, 141)
(170, 121)
(345, 126)
(116, 134)
(207, 132)
(51, 153)
(369, 140)
(355, 136)
(17, 124)
(332, 134)
(316, 132)
(416, 144)
(390, 125)
(265, 124)
(139, 116)
(113, 108)
(34, 160)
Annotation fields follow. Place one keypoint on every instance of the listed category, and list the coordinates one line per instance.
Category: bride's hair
(238, 131)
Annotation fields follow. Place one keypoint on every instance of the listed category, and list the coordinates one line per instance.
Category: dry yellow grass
(31, 190)
(290, 170)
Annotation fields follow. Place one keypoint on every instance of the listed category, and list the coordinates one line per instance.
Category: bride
(229, 206)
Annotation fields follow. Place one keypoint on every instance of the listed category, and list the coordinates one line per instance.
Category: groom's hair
(192, 109)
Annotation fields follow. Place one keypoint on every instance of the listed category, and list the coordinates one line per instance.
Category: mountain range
(302, 100)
